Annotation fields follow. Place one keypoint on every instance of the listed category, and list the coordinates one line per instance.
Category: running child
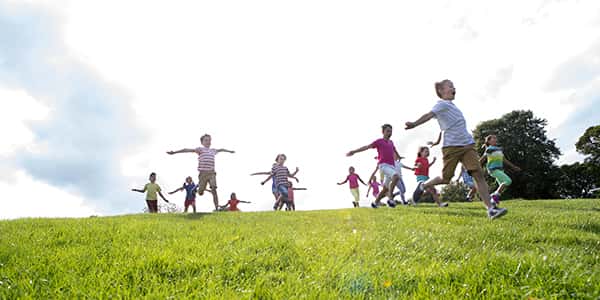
(151, 189)
(458, 146)
(280, 174)
(422, 166)
(353, 180)
(385, 150)
(400, 185)
(291, 204)
(468, 181)
(495, 166)
(190, 194)
(206, 166)
(232, 204)
(374, 184)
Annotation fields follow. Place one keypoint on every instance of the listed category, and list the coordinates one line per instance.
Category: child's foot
(443, 204)
(391, 203)
(495, 197)
(495, 213)
(373, 205)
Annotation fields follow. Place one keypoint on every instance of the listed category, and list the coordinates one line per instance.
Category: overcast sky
(94, 93)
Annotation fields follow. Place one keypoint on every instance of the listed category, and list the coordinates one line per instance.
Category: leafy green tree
(589, 144)
(523, 139)
(578, 179)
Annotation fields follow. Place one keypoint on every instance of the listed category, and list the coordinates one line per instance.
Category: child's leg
(503, 180)
(356, 194)
(185, 208)
(392, 185)
(194, 207)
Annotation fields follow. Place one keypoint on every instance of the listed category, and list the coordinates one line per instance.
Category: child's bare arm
(511, 165)
(163, 197)
(406, 167)
(437, 142)
(433, 161)
(184, 150)
(268, 178)
(225, 150)
(361, 149)
(360, 179)
(294, 177)
(245, 201)
(295, 172)
(340, 183)
(482, 159)
(260, 173)
(139, 190)
(175, 191)
(424, 118)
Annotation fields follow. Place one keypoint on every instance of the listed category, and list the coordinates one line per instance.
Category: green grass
(541, 249)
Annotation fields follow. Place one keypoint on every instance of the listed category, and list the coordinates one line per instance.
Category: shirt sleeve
(439, 107)
(375, 144)
(158, 188)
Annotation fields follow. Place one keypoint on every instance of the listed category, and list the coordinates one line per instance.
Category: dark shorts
(189, 202)
(152, 206)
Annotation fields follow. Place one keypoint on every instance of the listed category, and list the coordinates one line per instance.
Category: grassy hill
(541, 249)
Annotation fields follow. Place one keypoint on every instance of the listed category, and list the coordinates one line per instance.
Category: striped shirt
(495, 158)
(453, 123)
(206, 159)
(280, 175)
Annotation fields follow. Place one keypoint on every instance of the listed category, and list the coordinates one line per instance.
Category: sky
(94, 93)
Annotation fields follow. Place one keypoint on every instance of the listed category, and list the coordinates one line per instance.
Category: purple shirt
(353, 179)
(385, 151)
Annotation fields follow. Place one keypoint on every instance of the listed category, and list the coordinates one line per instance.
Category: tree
(589, 144)
(523, 139)
(454, 192)
(578, 179)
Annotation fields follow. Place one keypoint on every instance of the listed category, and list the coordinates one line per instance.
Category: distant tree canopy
(589, 144)
(523, 139)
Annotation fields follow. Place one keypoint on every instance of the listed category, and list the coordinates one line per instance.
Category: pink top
(353, 180)
(385, 151)
(375, 186)
(424, 169)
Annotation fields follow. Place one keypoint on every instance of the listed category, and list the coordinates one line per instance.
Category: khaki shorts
(463, 154)
(207, 177)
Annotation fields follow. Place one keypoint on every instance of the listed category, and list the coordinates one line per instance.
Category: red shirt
(233, 203)
(424, 168)
(353, 179)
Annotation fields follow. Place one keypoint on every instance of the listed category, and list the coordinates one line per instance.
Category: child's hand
(350, 153)
(409, 125)
(166, 200)
(170, 152)
(262, 183)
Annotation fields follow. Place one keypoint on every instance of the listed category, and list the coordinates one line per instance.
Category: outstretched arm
(184, 150)
(432, 144)
(268, 178)
(340, 183)
(295, 172)
(511, 165)
(360, 179)
(361, 149)
(245, 201)
(139, 190)
(433, 161)
(163, 197)
(294, 177)
(260, 173)
(175, 191)
(424, 118)
(406, 167)
(225, 150)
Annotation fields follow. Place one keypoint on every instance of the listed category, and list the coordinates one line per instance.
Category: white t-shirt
(453, 123)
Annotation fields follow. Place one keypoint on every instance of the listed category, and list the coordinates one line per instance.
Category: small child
(190, 194)
(422, 166)
(495, 166)
(468, 181)
(400, 185)
(151, 189)
(233, 203)
(353, 180)
(291, 204)
(280, 174)
(373, 185)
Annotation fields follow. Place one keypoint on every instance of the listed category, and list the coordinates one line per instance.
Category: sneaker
(495, 197)
(373, 205)
(391, 203)
(443, 204)
(495, 213)
(418, 192)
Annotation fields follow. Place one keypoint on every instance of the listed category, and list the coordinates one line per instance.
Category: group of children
(458, 146)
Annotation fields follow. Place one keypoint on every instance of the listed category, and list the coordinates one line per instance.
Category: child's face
(425, 152)
(448, 91)
(153, 178)
(351, 170)
(188, 180)
(233, 196)
(206, 141)
(493, 140)
(281, 159)
(387, 133)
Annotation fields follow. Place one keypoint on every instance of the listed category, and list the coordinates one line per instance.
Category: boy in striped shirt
(206, 166)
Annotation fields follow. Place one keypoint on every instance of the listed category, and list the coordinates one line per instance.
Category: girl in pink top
(422, 165)
(373, 185)
(353, 179)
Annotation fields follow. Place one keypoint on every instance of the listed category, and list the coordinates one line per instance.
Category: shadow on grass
(461, 212)
(194, 216)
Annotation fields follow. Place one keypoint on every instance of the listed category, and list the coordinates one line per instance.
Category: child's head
(386, 129)
(491, 140)
(205, 140)
(423, 151)
(189, 180)
(373, 178)
(233, 196)
(445, 89)
(280, 159)
(351, 170)
(152, 177)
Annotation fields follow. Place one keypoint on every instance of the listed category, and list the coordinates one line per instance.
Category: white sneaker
(495, 213)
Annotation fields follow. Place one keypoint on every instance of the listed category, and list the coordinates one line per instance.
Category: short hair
(385, 126)
(438, 87)
(203, 137)
(151, 174)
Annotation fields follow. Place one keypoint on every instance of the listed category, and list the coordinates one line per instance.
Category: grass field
(541, 249)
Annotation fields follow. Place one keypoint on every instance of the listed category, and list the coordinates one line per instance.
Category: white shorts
(388, 172)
